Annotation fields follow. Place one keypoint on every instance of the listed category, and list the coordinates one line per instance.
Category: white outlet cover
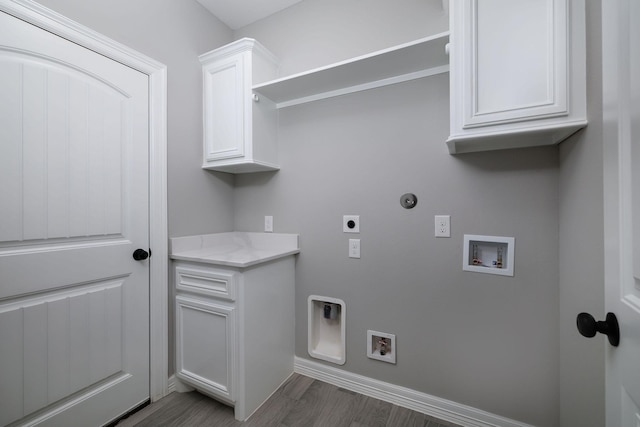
(354, 248)
(268, 224)
(442, 225)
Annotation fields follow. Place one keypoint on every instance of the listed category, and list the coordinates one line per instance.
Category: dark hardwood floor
(301, 401)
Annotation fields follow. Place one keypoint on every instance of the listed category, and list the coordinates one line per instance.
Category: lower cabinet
(206, 360)
(235, 330)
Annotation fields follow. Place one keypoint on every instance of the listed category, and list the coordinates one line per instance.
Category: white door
(74, 305)
(621, 100)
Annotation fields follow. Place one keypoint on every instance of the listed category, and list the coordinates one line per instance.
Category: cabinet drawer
(212, 282)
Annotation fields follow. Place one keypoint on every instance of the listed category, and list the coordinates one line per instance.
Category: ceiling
(238, 13)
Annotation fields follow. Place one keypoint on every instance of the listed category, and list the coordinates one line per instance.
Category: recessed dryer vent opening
(326, 329)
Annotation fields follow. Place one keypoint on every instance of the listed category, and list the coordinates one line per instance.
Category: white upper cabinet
(517, 73)
(240, 129)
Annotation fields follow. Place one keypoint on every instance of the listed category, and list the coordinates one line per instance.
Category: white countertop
(234, 249)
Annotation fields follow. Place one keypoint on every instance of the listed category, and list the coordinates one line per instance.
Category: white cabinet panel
(240, 130)
(499, 95)
(206, 342)
(224, 105)
(517, 73)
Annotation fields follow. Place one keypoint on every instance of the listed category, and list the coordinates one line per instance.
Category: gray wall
(482, 340)
(316, 33)
(582, 391)
(173, 32)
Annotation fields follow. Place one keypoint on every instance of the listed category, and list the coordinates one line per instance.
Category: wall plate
(351, 223)
(488, 254)
(381, 346)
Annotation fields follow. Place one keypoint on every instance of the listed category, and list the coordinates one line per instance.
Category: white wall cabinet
(240, 129)
(235, 330)
(518, 74)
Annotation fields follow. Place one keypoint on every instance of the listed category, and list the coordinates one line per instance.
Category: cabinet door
(205, 346)
(512, 56)
(224, 108)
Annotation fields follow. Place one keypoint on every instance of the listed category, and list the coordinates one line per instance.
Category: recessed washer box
(488, 254)
(381, 346)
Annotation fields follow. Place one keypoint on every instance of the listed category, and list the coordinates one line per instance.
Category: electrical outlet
(354, 248)
(443, 226)
(268, 224)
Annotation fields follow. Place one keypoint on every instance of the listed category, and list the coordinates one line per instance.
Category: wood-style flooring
(300, 401)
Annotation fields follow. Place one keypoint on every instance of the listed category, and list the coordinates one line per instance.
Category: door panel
(621, 101)
(66, 178)
(70, 340)
(74, 305)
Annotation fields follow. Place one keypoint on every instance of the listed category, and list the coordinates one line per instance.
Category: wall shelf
(420, 58)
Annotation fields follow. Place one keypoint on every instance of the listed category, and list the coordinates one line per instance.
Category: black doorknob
(588, 327)
(140, 254)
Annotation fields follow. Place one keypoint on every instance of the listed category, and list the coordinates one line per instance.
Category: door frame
(51, 21)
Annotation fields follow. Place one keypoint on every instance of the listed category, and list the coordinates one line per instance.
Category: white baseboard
(171, 384)
(446, 410)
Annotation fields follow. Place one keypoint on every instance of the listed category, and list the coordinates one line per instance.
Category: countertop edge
(231, 263)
